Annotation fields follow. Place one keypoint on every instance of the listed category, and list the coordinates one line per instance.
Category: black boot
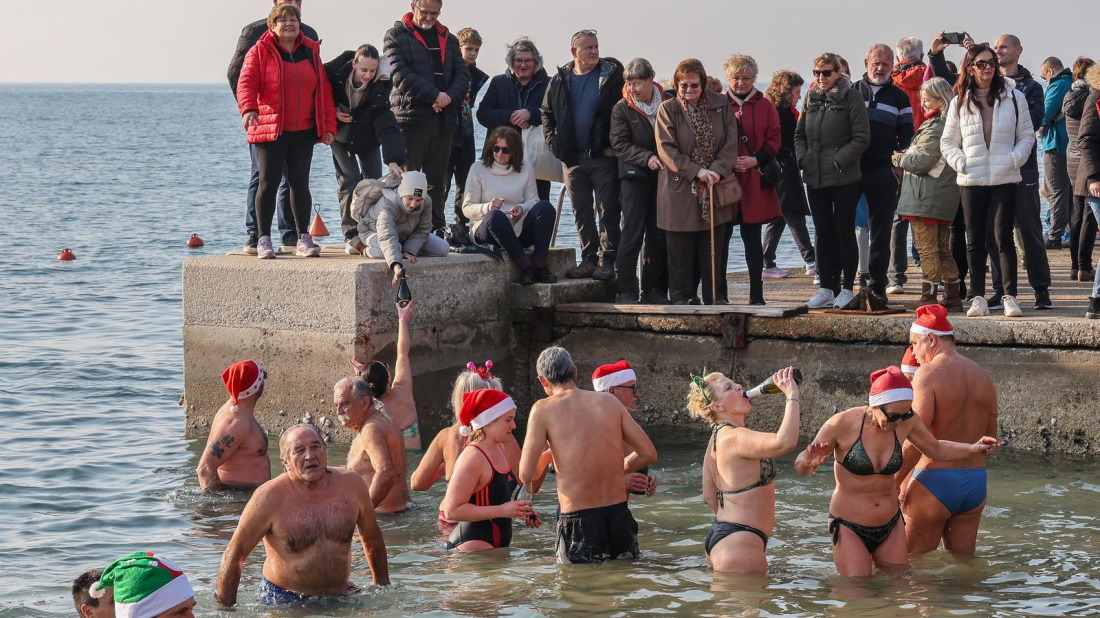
(1093, 312)
(543, 275)
(756, 293)
(526, 276)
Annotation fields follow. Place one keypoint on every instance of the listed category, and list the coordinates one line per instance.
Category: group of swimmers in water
(913, 455)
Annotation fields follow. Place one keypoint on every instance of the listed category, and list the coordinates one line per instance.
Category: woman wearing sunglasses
(864, 512)
(503, 205)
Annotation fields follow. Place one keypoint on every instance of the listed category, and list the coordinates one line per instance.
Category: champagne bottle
(768, 387)
(404, 294)
(644, 471)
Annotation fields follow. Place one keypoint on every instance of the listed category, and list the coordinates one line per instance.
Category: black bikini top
(767, 468)
(859, 463)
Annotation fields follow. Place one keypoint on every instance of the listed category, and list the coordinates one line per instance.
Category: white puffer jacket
(1010, 142)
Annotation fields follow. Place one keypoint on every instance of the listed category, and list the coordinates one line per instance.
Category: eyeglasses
(524, 61)
(687, 86)
(893, 418)
(633, 389)
(985, 64)
(502, 149)
(823, 72)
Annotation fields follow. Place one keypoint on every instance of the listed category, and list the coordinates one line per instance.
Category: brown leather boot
(952, 296)
(928, 292)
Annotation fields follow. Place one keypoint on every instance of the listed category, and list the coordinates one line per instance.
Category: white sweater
(483, 184)
(1010, 143)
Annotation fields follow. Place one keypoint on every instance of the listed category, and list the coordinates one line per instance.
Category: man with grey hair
(378, 451)
(306, 518)
(586, 432)
(1055, 143)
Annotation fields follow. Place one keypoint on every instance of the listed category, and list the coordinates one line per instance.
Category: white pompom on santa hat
(617, 374)
(909, 362)
(932, 319)
(242, 380)
(482, 407)
(889, 385)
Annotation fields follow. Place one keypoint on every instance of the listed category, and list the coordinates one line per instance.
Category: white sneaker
(306, 248)
(774, 272)
(842, 299)
(822, 299)
(1012, 307)
(817, 279)
(264, 250)
(978, 308)
(811, 269)
(349, 247)
(895, 288)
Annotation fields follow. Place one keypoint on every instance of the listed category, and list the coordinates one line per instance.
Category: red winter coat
(260, 90)
(909, 75)
(760, 122)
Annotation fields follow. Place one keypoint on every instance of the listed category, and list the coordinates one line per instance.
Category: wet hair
(359, 387)
(740, 62)
(699, 399)
(967, 85)
(284, 442)
(909, 48)
(468, 36)
(781, 86)
(81, 589)
(366, 51)
(555, 365)
(519, 45)
(638, 68)
(476, 435)
(939, 88)
(377, 376)
(1081, 66)
(690, 66)
(468, 382)
(512, 139)
(281, 11)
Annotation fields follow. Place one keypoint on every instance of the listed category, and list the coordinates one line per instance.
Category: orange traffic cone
(194, 241)
(317, 229)
(66, 255)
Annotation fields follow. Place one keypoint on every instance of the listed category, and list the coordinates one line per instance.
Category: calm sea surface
(95, 465)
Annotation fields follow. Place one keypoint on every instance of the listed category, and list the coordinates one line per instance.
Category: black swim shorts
(596, 535)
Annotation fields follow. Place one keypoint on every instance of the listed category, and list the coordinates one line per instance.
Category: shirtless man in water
(620, 380)
(236, 450)
(306, 518)
(378, 452)
(586, 432)
(957, 401)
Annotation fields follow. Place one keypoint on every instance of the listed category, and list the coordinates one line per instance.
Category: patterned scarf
(702, 153)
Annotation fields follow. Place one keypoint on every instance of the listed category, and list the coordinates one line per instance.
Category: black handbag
(770, 171)
(635, 172)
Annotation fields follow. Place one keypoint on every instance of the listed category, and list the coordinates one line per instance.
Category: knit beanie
(144, 584)
(413, 184)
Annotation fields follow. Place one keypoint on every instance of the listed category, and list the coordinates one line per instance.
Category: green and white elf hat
(145, 584)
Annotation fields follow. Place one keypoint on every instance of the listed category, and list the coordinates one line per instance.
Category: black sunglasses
(502, 149)
(986, 64)
(634, 389)
(823, 72)
(893, 418)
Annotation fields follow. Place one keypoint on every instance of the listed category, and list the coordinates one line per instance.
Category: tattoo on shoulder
(218, 446)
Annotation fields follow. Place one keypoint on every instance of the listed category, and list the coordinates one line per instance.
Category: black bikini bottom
(721, 529)
(872, 536)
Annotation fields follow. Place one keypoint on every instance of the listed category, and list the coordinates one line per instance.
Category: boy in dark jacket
(463, 146)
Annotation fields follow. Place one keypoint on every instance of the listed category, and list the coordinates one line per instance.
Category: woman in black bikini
(480, 490)
(867, 442)
(738, 469)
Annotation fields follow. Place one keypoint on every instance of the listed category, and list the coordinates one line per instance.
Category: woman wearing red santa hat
(867, 443)
(479, 493)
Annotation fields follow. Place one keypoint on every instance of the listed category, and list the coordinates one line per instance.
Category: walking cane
(713, 273)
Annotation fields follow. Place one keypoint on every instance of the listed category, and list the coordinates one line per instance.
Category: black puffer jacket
(1088, 137)
(252, 33)
(1072, 106)
(557, 120)
(831, 135)
(414, 90)
(1036, 105)
(372, 123)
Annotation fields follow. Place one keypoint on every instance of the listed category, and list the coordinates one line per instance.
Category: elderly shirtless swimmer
(378, 452)
(306, 518)
(236, 451)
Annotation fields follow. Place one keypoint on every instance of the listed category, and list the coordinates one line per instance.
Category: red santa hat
(909, 362)
(932, 319)
(606, 376)
(242, 380)
(482, 407)
(889, 385)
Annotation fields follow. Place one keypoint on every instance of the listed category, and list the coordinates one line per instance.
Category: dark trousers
(538, 227)
(1028, 221)
(880, 186)
(593, 185)
(958, 244)
(990, 210)
(639, 205)
(286, 218)
(428, 149)
(899, 246)
(351, 169)
(1082, 235)
(292, 152)
(458, 168)
(792, 202)
(1059, 192)
(834, 213)
(689, 263)
(543, 187)
(754, 260)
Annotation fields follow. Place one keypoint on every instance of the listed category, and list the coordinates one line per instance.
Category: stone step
(528, 297)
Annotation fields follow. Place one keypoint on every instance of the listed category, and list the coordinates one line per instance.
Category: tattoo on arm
(218, 446)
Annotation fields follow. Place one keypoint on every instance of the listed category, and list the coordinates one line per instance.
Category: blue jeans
(286, 218)
(1094, 204)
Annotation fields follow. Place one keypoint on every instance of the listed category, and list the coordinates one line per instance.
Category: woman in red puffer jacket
(286, 105)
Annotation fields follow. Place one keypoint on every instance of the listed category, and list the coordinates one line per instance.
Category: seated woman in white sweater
(503, 205)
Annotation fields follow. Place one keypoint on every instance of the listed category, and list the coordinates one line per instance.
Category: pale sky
(142, 41)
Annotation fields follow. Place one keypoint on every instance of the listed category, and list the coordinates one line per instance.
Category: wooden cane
(713, 270)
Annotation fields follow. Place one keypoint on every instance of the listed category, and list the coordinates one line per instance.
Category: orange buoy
(194, 241)
(66, 255)
(317, 229)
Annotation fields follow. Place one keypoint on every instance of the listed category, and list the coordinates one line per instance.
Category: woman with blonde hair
(739, 470)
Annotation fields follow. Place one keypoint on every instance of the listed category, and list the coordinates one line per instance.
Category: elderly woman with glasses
(867, 443)
(697, 143)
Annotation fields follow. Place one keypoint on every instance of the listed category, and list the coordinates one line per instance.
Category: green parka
(923, 193)
(832, 133)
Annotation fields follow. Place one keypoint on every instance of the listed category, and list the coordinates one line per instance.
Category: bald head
(1009, 49)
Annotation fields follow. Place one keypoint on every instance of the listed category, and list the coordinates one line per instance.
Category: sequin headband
(482, 371)
(699, 381)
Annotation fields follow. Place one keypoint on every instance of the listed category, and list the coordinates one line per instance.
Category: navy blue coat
(505, 95)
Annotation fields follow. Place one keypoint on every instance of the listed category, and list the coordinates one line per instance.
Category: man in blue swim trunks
(957, 401)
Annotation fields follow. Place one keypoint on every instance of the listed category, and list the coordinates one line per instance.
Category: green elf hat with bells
(145, 584)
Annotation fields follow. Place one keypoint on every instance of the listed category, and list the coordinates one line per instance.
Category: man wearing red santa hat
(957, 401)
(236, 450)
(620, 380)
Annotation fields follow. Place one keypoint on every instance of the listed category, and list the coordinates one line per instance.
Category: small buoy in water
(317, 229)
(66, 255)
(194, 241)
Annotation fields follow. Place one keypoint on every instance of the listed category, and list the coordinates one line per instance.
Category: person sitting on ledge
(502, 202)
(394, 221)
(395, 394)
(236, 450)
(377, 453)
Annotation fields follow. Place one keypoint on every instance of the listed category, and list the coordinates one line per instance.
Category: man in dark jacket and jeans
(463, 146)
(576, 122)
(891, 116)
(249, 36)
(430, 81)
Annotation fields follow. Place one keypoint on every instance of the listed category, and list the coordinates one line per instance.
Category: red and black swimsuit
(497, 532)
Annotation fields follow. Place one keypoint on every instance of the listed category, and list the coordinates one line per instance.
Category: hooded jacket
(372, 123)
(377, 209)
(505, 95)
(908, 75)
(1054, 121)
(929, 188)
(832, 133)
(891, 118)
(1088, 137)
(1011, 141)
(414, 91)
(633, 139)
(557, 118)
(249, 36)
(760, 123)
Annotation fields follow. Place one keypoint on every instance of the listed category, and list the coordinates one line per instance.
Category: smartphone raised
(954, 38)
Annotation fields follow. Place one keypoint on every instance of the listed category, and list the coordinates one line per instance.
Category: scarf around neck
(649, 109)
(703, 151)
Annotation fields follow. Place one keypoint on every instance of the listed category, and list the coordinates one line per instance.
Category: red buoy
(194, 241)
(317, 229)
(66, 255)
